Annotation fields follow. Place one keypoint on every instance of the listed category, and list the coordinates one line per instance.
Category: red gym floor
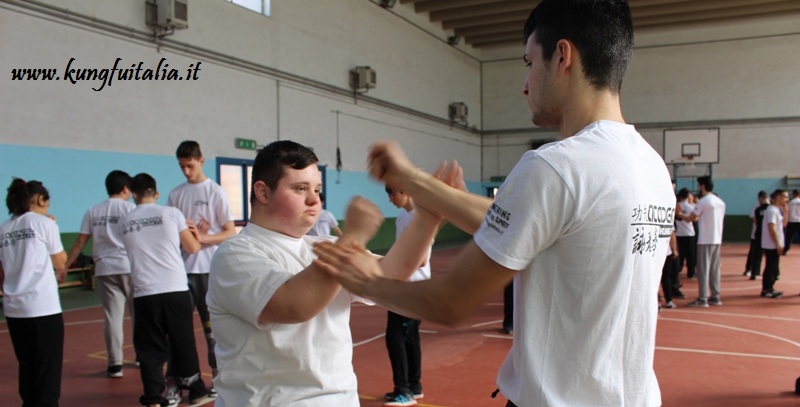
(745, 353)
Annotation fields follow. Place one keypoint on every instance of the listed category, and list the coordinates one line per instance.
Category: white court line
(498, 336)
(728, 314)
(365, 341)
(733, 328)
(478, 325)
(714, 352)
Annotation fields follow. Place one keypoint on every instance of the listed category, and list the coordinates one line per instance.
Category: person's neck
(262, 220)
(582, 111)
(148, 200)
(199, 179)
(124, 197)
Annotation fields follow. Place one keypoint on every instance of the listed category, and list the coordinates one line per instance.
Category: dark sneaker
(772, 294)
(173, 397)
(114, 371)
(698, 303)
(670, 305)
(212, 392)
(400, 399)
(715, 301)
(679, 295)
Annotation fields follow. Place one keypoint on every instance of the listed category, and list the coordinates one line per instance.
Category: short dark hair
(795, 192)
(271, 162)
(776, 193)
(706, 182)
(683, 193)
(762, 194)
(189, 149)
(20, 193)
(602, 31)
(143, 185)
(116, 181)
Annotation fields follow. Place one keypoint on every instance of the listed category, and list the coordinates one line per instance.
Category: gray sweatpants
(115, 291)
(708, 270)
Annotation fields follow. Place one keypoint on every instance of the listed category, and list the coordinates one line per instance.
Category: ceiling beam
(508, 17)
(481, 10)
(436, 5)
(696, 6)
(710, 15)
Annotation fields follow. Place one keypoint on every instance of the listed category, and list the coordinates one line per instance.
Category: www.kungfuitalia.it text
(74, 73)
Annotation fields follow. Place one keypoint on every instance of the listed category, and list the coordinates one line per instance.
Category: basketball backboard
(691, 146)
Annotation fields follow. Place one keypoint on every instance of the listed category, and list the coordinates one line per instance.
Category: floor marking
(729, 314)
(371, 398)
(366, 341)
(733, 328)
(498, 336)
(714, 352)
(478, 325)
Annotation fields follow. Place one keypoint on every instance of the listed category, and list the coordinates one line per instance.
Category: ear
(261, 192)
(565, 52)
(202, 160)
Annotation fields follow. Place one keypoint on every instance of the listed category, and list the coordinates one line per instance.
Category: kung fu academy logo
(136, 225)
(11, 238)
(651, 223)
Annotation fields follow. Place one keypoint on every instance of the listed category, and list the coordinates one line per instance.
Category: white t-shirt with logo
(587, 221)
(102, 223)
(151, 234)
(261, 365)
(207, 201)
(325, 222)
(401, 223)
(30, 288)
(710, 211)
(774, 215)
(684, 228)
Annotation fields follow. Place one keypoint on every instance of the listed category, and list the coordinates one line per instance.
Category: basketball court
(744, 353)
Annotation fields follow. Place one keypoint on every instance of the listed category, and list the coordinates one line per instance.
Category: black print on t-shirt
(136, 225)
(651, 223)
(104, 220)
(11, 238)
(498, 219)
(200, 203)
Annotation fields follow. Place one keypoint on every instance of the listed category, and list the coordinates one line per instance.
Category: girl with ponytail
(30, 251)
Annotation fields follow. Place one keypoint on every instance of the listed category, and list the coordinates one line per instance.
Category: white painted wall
(740, 77)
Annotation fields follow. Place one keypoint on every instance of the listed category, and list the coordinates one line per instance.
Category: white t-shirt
(794, 210)
(684, 228)
(710, 211)
(587, 221)
(207, 201)
(102, 223)
(307, 364)
(325, 222)
(401, 223)
(151, 234)
(771, 215)
(30, 288)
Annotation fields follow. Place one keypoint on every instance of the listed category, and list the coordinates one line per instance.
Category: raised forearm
(464, 210)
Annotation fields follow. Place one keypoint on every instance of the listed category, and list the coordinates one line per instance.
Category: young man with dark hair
(581, 225)
(710, 215)
(283, 335)
(772, 242)
(402, 333)
(153, 236)
(204, 203)
(686, 236)
(111, 266)
(755, 253)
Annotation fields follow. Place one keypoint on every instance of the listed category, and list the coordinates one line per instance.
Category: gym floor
(744, 353)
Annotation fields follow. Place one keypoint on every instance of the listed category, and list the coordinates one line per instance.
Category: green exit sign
(246, 144)
(497, 178)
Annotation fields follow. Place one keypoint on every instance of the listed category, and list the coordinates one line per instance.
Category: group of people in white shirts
(776, 219)
(152, 259)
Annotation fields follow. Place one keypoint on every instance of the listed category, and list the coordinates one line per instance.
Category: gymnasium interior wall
(286, 77)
